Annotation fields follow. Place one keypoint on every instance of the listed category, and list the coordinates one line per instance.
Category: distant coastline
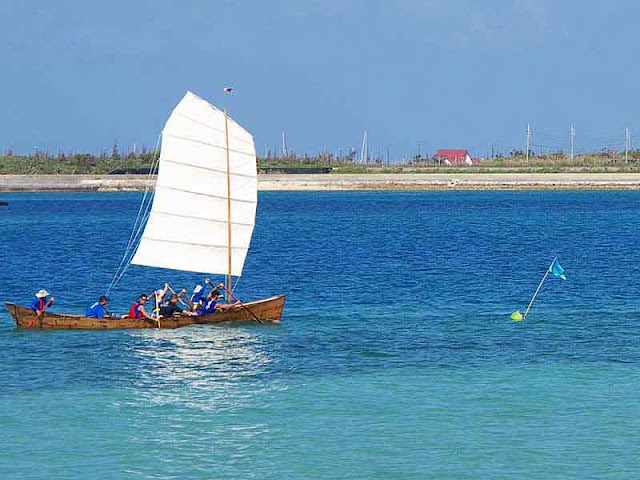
(266, 182)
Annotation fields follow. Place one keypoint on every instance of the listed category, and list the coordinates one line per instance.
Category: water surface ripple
(396, 357)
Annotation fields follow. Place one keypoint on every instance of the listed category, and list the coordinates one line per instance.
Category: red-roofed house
(454, 155)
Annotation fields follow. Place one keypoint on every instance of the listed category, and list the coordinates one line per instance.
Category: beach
(276, 182)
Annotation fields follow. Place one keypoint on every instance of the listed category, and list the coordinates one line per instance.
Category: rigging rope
(131, 253)
(235, 285)
(140, 221)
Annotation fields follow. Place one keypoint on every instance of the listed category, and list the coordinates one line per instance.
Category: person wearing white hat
(40, 302)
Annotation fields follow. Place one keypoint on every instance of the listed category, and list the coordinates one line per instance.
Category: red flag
(228, 89)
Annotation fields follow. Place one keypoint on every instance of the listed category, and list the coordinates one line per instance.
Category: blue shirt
(208, 307)
(95, 310)
(198, 293)
(35, 304)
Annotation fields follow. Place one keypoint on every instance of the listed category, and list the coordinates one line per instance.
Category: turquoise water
(396, 357)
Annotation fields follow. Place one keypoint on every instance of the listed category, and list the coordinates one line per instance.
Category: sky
(416, 74)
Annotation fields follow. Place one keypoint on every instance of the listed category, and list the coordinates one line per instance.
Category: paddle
(109, 314)
(158, 304)
(180, 299)
(32, 322)
(40, 312)
(238, 300)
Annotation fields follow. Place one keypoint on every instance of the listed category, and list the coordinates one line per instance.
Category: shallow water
(396, 357)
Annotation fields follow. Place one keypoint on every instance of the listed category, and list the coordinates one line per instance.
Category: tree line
(140, 163)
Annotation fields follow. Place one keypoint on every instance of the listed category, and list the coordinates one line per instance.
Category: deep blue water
(396, 357)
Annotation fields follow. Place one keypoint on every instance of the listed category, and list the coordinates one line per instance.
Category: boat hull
(268, 311)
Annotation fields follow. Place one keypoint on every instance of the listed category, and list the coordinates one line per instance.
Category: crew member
(40, 301)
(209, 305)
(99, 308)
(137, 309)
(171, 307)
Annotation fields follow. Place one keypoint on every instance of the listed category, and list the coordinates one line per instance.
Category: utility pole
(528, 143)
(284, 145)
(364, 154)
(573, 139)
(627, 145)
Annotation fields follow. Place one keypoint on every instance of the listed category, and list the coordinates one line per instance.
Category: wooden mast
(226, 139)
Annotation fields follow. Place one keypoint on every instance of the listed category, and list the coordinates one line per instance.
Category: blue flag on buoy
(556, 269)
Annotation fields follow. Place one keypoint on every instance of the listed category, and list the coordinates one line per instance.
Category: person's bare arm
(164, 291)
(146, 315)
(226, 306)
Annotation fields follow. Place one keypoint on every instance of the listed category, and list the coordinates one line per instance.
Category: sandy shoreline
(492, 181)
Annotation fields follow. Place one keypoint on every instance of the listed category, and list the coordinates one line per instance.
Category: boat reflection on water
(204, 367)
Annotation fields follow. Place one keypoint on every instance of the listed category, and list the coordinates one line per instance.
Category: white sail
(187, 228)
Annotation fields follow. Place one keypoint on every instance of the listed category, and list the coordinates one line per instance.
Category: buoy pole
(538, 289)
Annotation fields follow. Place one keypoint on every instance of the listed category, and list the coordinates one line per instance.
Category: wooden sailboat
(201, 219)
(268, 310)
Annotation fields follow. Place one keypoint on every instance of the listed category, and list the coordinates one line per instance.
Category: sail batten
(189, 222)
(188, 139)
(193, 244)
(160, 187)
(193, 217)
(241, 139)
(176, 162)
